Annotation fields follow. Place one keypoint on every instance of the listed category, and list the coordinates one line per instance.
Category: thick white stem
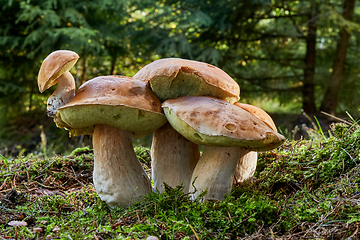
(173, 158)
(64, 93)
(119, 178)
(246, 166)
(214, 172)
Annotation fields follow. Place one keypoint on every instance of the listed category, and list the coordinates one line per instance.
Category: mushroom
(176, 77)
(258, 112)
(55, 69)
(225, 130)
(17, 224)
(56, 230)
(114, 109)
(173, 156)
(246, 165)
(37, 230)
(152, 238)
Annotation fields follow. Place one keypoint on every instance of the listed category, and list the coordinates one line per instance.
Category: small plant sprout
(17, 224)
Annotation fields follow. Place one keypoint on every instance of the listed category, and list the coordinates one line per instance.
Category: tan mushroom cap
(53, 66)
(17, 223)
(214, 122)
(116, 101)
(258, 112)
(175, 77)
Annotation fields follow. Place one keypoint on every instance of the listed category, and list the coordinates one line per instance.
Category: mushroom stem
(246, 166)
(64, 93)
(118, 176)
(173, 158)
(214, 172)
(16, 232)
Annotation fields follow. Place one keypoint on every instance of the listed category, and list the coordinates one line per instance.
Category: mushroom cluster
(174, 156)
(183, 103)
(200, 104)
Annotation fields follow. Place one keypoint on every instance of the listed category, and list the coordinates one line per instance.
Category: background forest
(289, 57)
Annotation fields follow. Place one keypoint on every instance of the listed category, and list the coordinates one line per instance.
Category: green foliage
(318, 162)
(143, 155)
(261, 44)
(30, 30)
(179, 215)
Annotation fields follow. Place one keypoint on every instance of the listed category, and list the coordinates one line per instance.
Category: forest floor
(305, 189)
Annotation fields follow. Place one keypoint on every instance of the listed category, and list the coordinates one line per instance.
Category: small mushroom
(173, 156)
(37, 230)
(225, 130)
(246, 166)
(17, 224)
(55, 69)
(56, 230)
(114, 109)
(152, 238)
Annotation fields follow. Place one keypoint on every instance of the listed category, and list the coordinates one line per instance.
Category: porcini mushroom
(176, 77)
(258, 112)
(114, 109)
(225, 130)
(246, 165)
(173, 156)
(55, 69)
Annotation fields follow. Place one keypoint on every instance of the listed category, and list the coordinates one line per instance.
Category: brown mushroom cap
(37, 229)
(214, 122)
(116, 101)
(53, 66)
(175, 77)
(258, 112)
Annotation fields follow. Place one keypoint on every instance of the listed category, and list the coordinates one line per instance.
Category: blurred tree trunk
(113, 65)
(330, 100)
(309, 71)
(31, 93)
(84, 68)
